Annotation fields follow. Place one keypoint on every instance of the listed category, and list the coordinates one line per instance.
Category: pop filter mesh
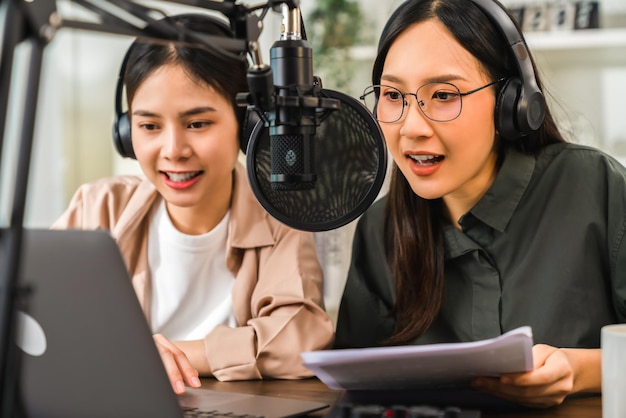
(350, 160)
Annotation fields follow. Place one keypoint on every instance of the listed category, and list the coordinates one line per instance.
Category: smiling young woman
(228, 290)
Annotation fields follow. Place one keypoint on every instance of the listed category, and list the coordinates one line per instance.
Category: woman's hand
(557, 373)
(177, 364)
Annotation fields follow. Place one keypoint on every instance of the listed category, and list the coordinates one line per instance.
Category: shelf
(600, 43)
(577, 39)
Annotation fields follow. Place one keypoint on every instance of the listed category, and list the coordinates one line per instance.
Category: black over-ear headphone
(520, 104)
(121, 125)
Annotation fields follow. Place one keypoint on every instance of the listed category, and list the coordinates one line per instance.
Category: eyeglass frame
(405, 102)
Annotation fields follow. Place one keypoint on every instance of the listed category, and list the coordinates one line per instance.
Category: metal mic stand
(32, 25)
(19, 24)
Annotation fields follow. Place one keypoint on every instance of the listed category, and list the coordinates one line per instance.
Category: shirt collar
(141, 203)
(496, 207)
(249, 224)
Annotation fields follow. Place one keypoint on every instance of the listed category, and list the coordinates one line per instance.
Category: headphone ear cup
(122, 136)
(506, 109)
(249, 120)
(530, 110)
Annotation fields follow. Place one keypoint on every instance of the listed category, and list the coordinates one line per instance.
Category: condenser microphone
(294, 120)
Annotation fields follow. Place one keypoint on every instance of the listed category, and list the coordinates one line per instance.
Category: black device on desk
(398, 404)
(348, 410)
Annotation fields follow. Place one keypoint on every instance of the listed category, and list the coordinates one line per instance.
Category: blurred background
(580, 47)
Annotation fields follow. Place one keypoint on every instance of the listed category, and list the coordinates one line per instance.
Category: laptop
(87, 347)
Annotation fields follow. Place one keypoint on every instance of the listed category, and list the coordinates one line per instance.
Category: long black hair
(413, 225)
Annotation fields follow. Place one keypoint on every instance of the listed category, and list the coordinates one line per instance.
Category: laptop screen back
(89, 350)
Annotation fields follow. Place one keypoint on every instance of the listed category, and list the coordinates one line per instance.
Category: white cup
(614, 371)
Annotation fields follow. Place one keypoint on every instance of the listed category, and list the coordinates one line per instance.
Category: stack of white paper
(422, 366)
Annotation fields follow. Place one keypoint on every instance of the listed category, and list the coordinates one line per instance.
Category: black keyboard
(348, 410)
(189, 412)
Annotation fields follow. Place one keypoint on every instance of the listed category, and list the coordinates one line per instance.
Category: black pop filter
(350, 160)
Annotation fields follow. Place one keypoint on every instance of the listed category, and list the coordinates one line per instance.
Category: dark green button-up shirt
(543, 247)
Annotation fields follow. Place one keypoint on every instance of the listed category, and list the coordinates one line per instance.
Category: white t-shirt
(191, 286)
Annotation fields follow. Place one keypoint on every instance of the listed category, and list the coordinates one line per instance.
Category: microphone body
(293, 122)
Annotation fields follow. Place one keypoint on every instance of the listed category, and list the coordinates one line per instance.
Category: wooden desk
(314, 390)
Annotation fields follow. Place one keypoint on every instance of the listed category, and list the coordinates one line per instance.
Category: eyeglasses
(439, 102)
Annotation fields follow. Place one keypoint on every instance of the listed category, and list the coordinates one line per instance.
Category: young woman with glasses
(483, 229)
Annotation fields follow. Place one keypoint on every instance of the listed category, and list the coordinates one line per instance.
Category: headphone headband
(514, 39)
(521, 104)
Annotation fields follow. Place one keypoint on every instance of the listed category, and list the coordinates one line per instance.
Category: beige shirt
(277, 294)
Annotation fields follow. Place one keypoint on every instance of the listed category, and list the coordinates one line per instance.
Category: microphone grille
(289, 157)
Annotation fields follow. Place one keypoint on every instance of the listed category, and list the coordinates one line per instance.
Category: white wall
(44, 197)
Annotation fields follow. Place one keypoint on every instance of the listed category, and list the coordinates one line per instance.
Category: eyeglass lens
(439, 102)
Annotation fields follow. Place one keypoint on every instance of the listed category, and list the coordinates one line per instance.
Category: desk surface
(313, 389)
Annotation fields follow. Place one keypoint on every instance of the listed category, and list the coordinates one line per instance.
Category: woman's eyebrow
(189, 112)
(145, 113)
(441, 77)
(197, 111)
